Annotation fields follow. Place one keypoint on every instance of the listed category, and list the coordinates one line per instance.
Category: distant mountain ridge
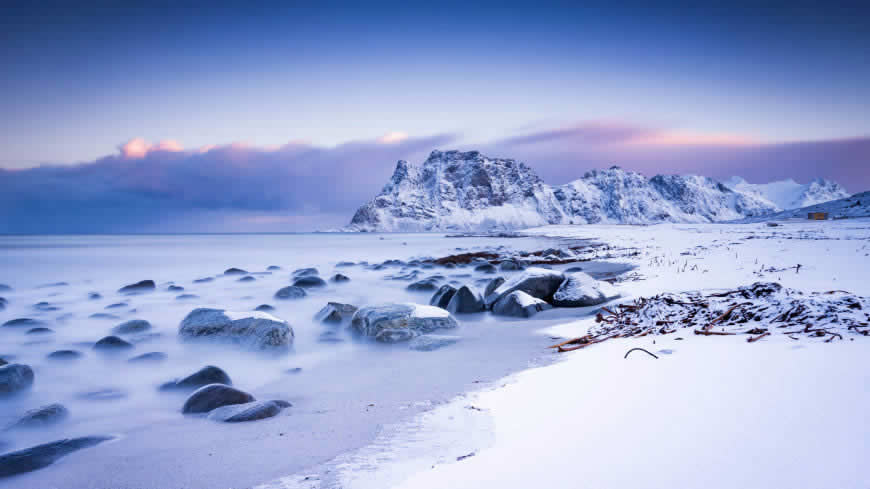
(788, 194)
(467, 191)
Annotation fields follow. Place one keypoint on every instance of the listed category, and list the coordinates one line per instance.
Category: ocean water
(346, 391)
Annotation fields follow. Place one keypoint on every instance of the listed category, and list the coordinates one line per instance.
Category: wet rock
(40, 330)
(539, 283)
(150, 357)
(247, 278)
(204, 376)
(41, 456)
(273, 268)
(64, 355)
(466, 301)
(344, 264)
(254, 330)
(103, 315)
(105, 394)
(138, 287)
(203, 280)
(112, 343)
(45, 307)
(430, 342)
(186, 297)
(213, 396)
(581, 290)
(250, 411)
(42, 416)
(116, 305)
(485, 268)
(492, 285)
(235, 271)
(132, 326)
(23, 323)
(15, 378)
(442, 297)
(404, 275)
(391, 323)
(264, 308)
(290, 292)
(425, 285)
(519, 304)
(339, 278)
(335, 312)
(510, 265)
(175, 288)
(94, 296)
(309, 281)
(573, 270)
(305, 272)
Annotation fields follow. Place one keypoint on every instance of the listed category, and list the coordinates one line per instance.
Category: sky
(271, 116)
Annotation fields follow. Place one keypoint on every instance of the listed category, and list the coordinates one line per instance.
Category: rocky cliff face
(460, 191)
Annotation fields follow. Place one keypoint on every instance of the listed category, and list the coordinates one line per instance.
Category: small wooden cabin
(818, 216)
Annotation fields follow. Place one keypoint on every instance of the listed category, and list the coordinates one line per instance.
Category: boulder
(94, 296)
(581, 290)
(255, 330)
(116, 305)
(339, 278)
(132, 326)
(485, 268)
(264, 308)
(235, 271)
(492, 285)
(138, 287)
(425, 285)
(305, 272)
(150, 357)
(344, 264)
(539, 283)
(309, 281)
(519, 304)
(391, 323)
(247, 278)
(42, 416)
(510, 265)
(430, 342)
(272, 268)
(186, 297)
(250, 411)
(466, 301)
(40, 456)
(40, 330)
(175, 288)
(64, 355)
(335, 312)
(23, 322)
(213, 396)
(203, 280)
(112, 343)
(204, 376)
(290, 292)
(442, 296)
(15, 378)
(45, 307)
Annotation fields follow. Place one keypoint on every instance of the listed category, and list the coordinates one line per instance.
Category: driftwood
(639, 349)
(756, 338)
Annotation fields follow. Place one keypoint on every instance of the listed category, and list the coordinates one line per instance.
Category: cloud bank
(162, 187)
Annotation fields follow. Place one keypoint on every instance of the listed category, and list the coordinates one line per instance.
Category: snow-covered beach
(711, 411)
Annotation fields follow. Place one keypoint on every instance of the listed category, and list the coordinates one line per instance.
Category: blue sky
(80, 81)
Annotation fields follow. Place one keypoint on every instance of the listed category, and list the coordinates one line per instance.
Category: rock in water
(305, 272)
(264, 308)
(290, 292)
(132, 326)
(251, 411)
(40, 456)
(213, 396)
(112, 343)
(175, 288)
(64, 355)
(42, 416)
(485, 268)
(339, 278)
(425, 285)
(138, 287)
(309, 281)
(235, 271)
(442, 296)
(519, 304)
(23, 322)
(581, 290)
(466, 301)
(335, 312)
(204, 376)
(150, 357)
(399, 322)
(431, 342)
(540, 283)
(254, 329)
(15, 378)
(492, 285)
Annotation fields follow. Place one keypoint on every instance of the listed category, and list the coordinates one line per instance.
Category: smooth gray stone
(213, 396)
(15, 378)
(204, 376)
(40, 456)
(254, 330)
(132, 326)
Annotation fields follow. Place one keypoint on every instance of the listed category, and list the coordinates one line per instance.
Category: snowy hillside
(857, 205)
(469, 191)
(788, 194)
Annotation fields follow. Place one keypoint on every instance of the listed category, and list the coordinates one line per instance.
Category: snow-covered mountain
(857, 205)
(453, 190)
(788, 194)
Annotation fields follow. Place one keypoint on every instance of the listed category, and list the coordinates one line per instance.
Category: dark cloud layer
(301, 187)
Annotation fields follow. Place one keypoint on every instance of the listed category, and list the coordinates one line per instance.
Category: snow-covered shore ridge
(469, 191)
